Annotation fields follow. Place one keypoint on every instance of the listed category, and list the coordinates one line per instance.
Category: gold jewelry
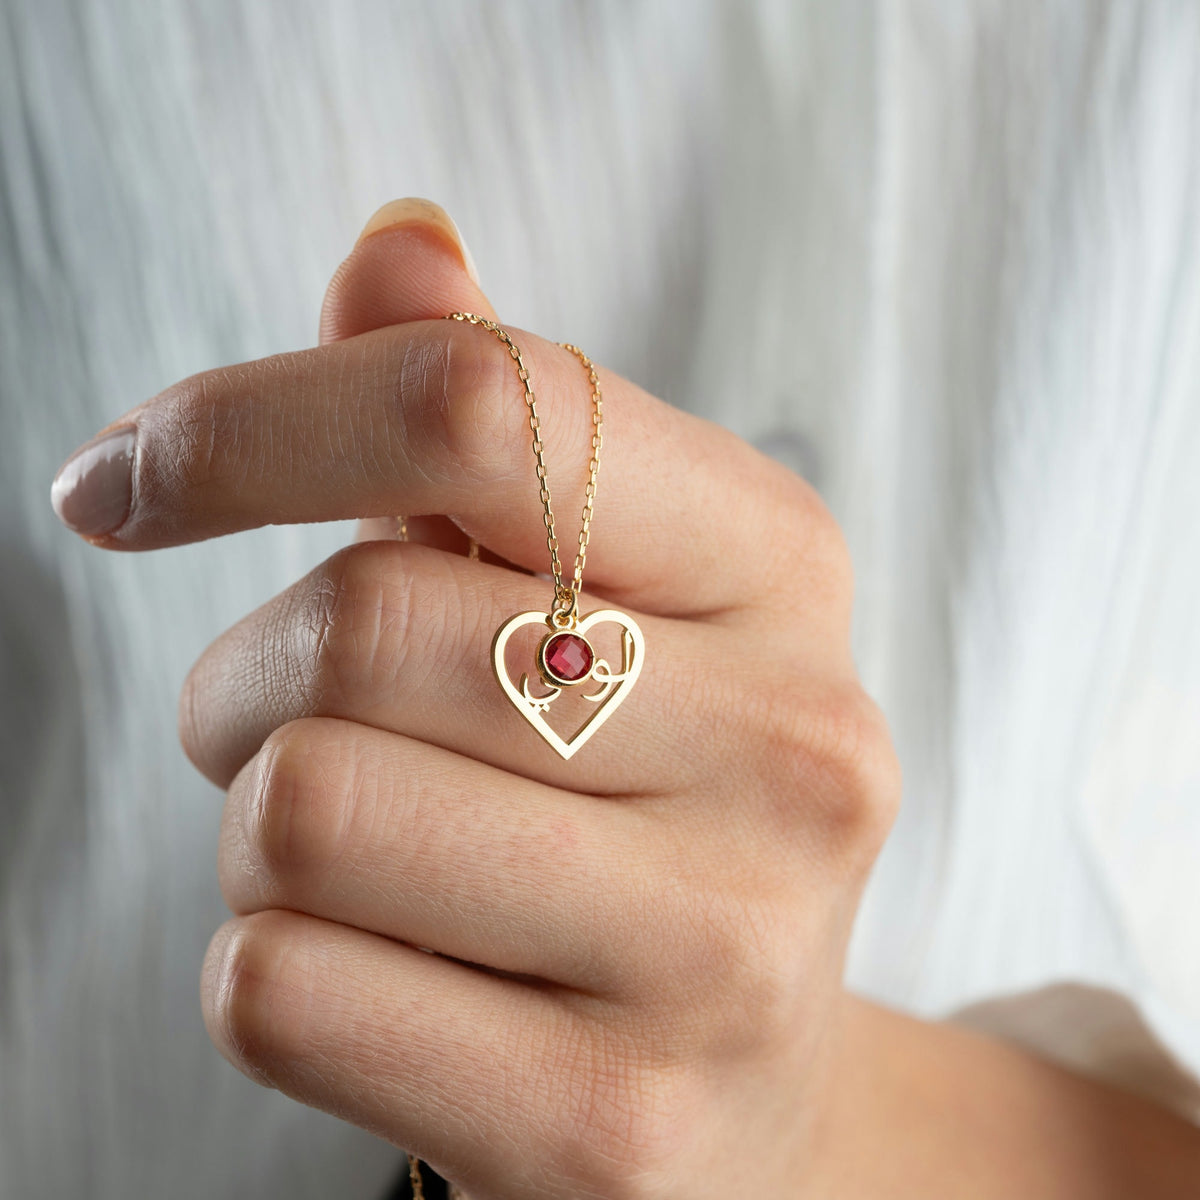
(564, 658)
(453, 1191)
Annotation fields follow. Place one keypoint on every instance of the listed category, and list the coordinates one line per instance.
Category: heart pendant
(565, 660)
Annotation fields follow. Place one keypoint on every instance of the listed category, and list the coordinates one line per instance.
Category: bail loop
(565, 612)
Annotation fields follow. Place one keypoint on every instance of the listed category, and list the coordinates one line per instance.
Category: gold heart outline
(605, 707)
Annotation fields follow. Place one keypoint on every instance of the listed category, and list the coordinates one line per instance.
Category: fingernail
(414, 208)
(93, 490)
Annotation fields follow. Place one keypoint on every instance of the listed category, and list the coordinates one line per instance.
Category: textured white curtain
(943, 258)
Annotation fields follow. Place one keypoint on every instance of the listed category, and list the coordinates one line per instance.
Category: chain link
(565, 595)
(414, 1177)
(417, 1184)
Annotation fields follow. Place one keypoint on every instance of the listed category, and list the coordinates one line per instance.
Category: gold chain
(414, 1177)
(565, 596)
(418, 1185)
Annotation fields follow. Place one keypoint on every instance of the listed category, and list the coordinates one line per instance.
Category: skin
(635, 985)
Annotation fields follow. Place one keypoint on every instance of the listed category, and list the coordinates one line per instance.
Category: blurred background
(940, 256)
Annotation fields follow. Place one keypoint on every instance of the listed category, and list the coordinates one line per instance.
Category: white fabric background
(942, 257)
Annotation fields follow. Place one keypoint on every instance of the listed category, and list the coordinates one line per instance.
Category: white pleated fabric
(943, 258)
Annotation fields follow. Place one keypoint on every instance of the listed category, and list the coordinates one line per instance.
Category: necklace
(565, 657)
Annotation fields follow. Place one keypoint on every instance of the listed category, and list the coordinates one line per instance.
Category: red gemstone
(568, 657)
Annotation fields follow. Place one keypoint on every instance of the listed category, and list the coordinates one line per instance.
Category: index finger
(431, 417)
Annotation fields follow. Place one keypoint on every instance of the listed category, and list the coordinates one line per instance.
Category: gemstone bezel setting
(548, 659)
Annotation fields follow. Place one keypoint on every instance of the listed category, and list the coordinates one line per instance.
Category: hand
(635, 988)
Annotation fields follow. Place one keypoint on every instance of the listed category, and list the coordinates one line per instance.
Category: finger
(409, 264)
(478, 1074)
(399, 636)
(371, 829)
(431, 417)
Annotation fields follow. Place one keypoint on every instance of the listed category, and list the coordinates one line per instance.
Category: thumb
(410, 264)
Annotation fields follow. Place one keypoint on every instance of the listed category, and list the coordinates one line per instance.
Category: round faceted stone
(567, 657)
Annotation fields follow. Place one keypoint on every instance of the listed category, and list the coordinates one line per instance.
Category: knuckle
(190, 722)
(349, 609)
(482, 405)
(813, 546)
(829, 753)
(296, 820)
(241, 1006)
